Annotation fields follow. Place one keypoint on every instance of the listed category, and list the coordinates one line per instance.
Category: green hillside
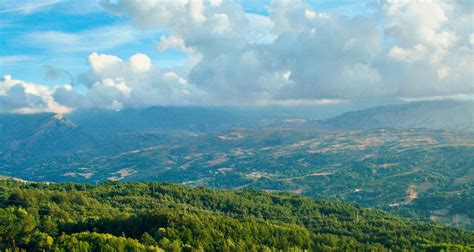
(418, 173)
(116, 216)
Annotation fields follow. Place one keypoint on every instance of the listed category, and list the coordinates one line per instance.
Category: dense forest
(115, 216)
(420, 173)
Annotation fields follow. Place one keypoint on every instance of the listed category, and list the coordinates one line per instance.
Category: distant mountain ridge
(40, 134)
(426, 114)
(48, 133)
(346, 157)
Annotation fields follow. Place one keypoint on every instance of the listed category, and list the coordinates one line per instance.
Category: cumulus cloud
(139, 63)
(171, 42)
(104, 65)
(117, 83)
(329, 56)
(410, 55)
(406, 49)
(22, 97)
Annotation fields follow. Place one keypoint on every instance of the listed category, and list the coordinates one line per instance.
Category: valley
(420, 173)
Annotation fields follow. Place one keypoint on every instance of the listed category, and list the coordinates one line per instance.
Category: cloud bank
(407, 49)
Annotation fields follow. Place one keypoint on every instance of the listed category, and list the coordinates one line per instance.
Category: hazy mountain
(40, 134)
(205, 119)
(48, 133)
(268, 148)
(426, 114)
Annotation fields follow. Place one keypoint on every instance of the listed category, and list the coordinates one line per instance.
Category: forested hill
(424, 114)
(117, 216)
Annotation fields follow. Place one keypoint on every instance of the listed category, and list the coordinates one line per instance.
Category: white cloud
(136, 83)
(216, 3)
(407, 49)
(260, 29)
(14, 59)
(301, 102)
(413, 21)
(310, 14)
(442, 72)
(116, 105)
(149, 14)
(171, 42)
(26, 7)
(95, 39)
(22, 97)
(103, 63)
(360, 73)
(418, 52)
(420, 24)
(297, 53)
(139, 63)
(197, 11)
(117, 83)
(222, 23)
(290, 16)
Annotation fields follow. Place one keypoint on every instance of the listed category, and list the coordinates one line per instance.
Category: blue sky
(25, 53)
(63, 55)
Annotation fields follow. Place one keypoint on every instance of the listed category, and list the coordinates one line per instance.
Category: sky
(64, 55)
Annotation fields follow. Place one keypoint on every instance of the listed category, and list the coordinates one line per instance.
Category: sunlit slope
(154, 216)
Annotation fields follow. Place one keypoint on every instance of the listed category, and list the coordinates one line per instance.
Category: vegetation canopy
(117, 216)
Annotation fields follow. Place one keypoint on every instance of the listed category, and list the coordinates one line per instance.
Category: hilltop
(155, 216)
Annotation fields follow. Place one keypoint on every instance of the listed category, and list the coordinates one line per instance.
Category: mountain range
(430, 114)
(414, 159)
